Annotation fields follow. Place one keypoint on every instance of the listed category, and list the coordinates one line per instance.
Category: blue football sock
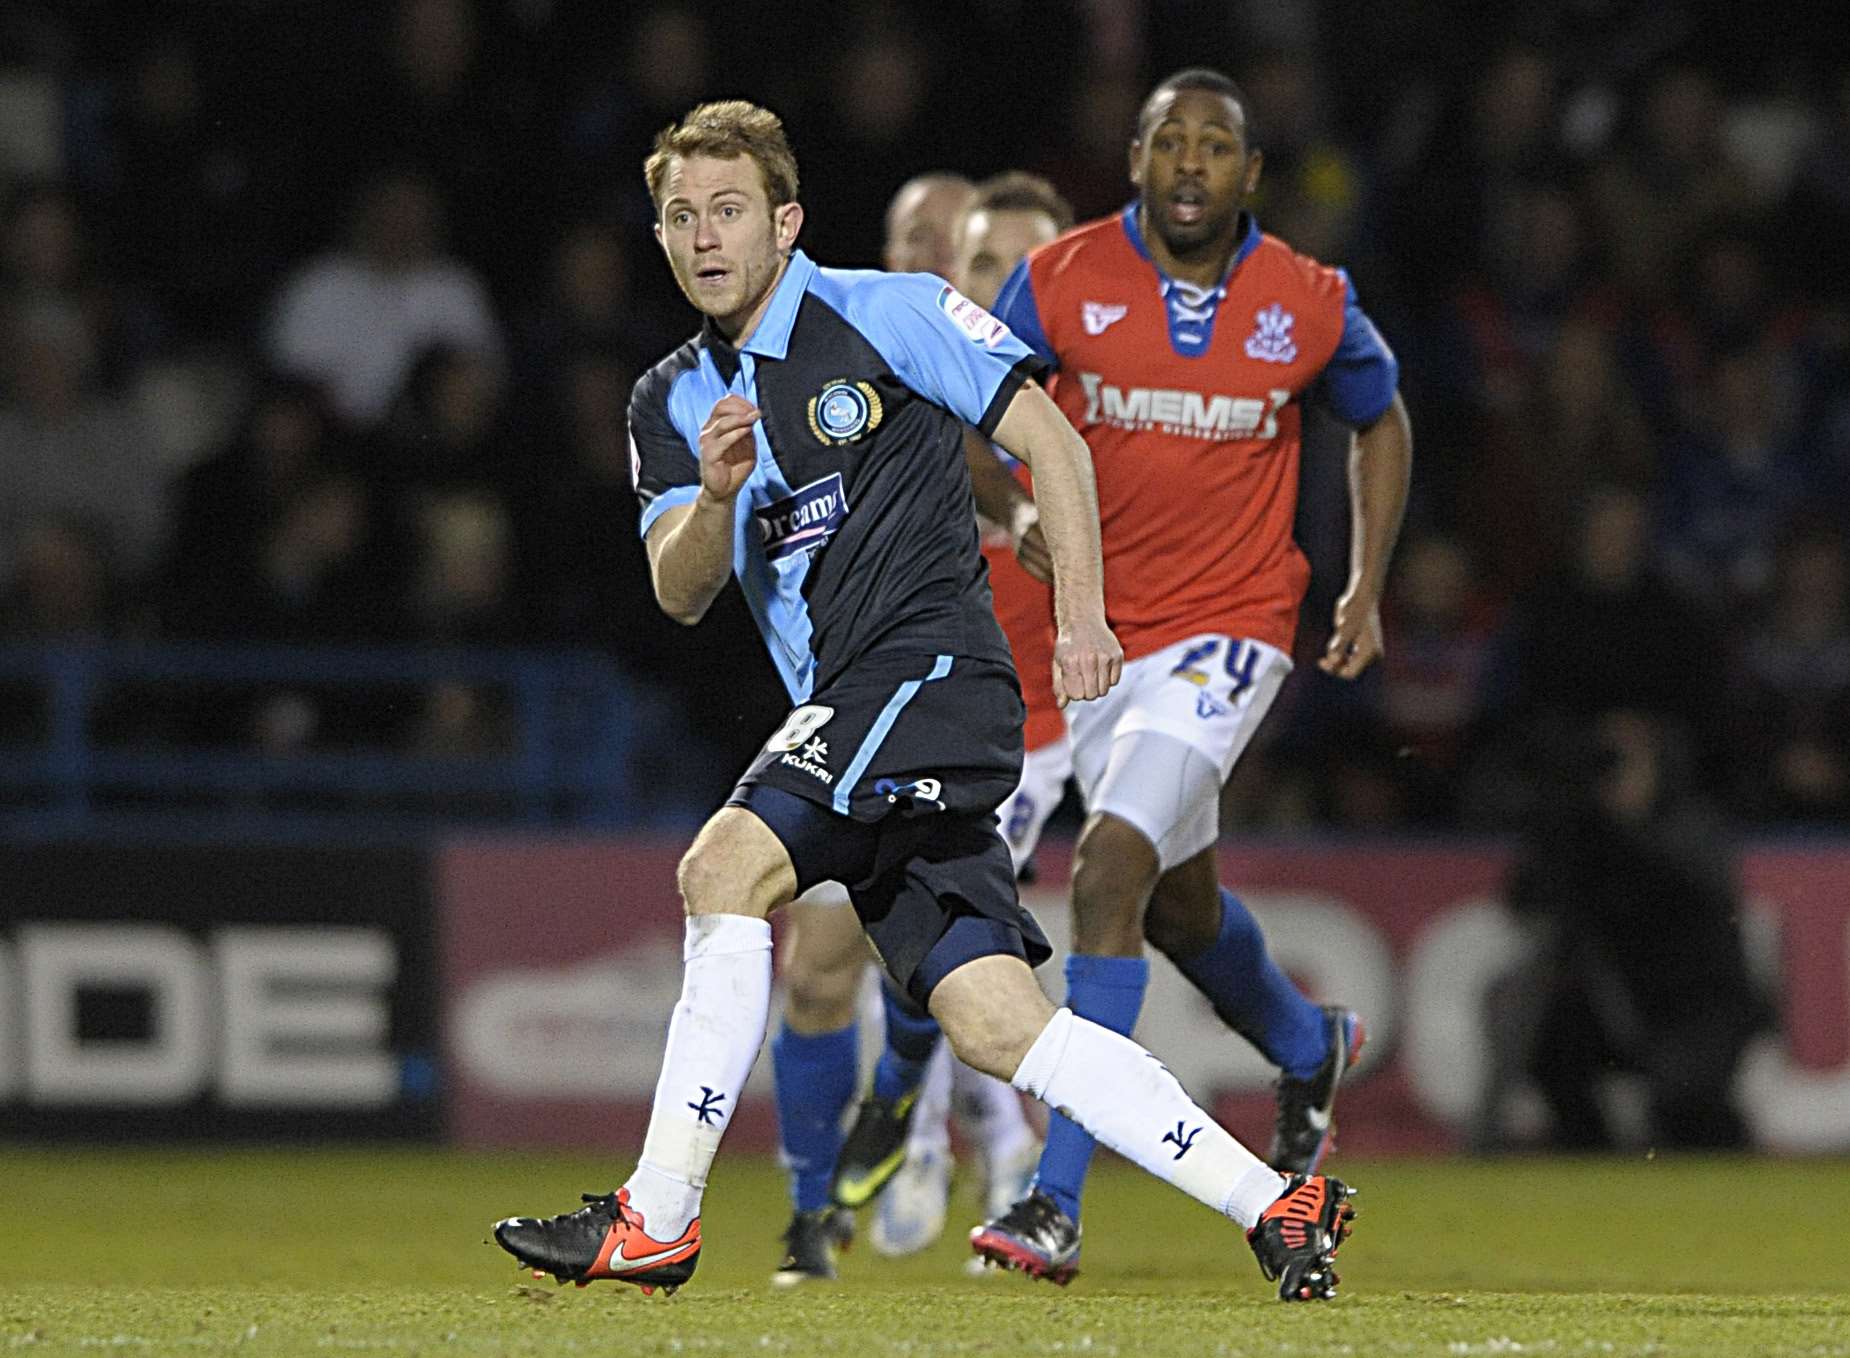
(1109, 991)
(911, 1037)
(1253, 997)
(814, 1075)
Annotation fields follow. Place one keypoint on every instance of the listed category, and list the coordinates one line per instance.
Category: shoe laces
(601, 1205)
(1036, 1215)
(1300, 1199)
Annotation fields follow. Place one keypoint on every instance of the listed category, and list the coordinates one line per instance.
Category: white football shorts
(1156, 750)
(1023, 814)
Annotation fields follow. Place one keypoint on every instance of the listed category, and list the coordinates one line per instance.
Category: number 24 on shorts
(1241, 660)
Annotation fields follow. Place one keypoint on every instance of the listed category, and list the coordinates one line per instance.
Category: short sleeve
(666, 471)
(1358, 384)
(1019, 309)
(944, 346)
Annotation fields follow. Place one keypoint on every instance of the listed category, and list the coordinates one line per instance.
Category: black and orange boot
(1296, 1238)
(603, 1239)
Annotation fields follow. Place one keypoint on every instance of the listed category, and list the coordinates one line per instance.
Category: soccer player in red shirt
(1186, 343)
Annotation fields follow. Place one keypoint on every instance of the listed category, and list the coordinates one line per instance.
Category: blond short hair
(724, 130)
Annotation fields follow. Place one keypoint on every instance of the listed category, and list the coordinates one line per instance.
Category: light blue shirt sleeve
(1017, 308)
(942, 345)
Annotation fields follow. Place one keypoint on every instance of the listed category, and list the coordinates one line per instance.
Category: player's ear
(1253, 164)
(657, 228)
(1137, 163)
(788, 220)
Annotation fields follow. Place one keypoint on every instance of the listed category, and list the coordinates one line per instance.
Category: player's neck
(738, 327)
(1203, 267)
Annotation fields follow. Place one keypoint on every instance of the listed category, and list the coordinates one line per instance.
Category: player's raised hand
(1087, 661)
(727, 450)
(1355, 639)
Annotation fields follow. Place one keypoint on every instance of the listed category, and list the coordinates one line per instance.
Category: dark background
(1605, 239)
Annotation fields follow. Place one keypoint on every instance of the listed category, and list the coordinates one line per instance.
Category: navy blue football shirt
(854, 534)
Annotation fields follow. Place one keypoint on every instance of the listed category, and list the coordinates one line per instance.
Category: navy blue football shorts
(887, 781)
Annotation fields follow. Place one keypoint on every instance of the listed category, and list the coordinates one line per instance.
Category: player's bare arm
(1087, 657)
(1001, 499)
(690, 546)
(1380, 465)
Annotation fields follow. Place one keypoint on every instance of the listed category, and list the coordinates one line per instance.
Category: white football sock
(991, 1113)
(1129, 1101)
(930, 1129)
(713, 1039)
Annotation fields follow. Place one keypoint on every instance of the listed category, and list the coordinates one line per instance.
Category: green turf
(384, 1251)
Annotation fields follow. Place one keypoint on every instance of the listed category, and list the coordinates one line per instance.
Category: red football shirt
(1191, 402)
(1024, 608)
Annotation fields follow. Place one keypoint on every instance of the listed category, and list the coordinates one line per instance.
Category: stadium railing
(118, 737)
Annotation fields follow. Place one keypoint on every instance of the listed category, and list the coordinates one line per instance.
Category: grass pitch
(319, 1252)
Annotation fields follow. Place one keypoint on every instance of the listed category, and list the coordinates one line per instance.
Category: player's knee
(991, 1011)
(1114, 869)
(1183, 917)
(1168, 935)
(735, 866)
(701, 879)
(987, 1055)
(824, 957)
(715, 879)
(822, 999)
(996, 1051)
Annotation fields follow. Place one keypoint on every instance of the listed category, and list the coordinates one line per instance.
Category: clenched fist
(1087, 661)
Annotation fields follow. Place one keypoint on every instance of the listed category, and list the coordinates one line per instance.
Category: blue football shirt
(855, 533)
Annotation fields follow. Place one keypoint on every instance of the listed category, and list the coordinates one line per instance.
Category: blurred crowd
(318, 323)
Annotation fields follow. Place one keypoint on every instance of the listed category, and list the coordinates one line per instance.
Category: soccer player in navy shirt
(809, 441)
(823, 958)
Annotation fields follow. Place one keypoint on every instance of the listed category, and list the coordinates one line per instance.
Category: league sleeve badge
(977, 324)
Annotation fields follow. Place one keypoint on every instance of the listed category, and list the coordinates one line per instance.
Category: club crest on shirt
(843, 411)
(1101, 316)
(977, 324)
(1271, 340)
